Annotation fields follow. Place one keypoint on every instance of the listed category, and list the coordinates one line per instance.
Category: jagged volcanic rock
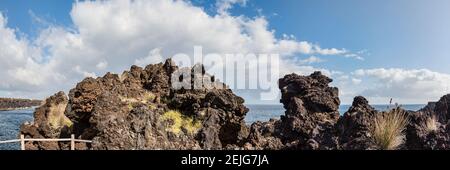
(429, 128)
(140, 110)
(354, 126)
(311, 111)
(49, 122)
(265, 135)
(308, 94)
(311, 114)
(442, 109)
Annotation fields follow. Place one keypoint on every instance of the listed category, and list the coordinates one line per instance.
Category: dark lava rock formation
(430, 127)
(354, 126)
(49, 122)
(141, 109)
(311, 121)
(310, 117)
(12, 104)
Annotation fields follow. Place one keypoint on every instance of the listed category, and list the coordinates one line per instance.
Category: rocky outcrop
(311, 114)
(442, 109)
(354, 126)
(140, 110)
(12, 104)
(311, 111)
(311, 121)
(266, 136)
(49, 122)
(429, 128)
(163, 106)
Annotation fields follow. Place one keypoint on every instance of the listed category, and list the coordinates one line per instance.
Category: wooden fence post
(72, 142)
(22, 142)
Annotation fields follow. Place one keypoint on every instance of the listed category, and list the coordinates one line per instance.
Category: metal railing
(22, 141)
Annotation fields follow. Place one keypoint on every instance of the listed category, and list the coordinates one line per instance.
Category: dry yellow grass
(147, 98)
(430, 124)
(388, 127)
(123, 76)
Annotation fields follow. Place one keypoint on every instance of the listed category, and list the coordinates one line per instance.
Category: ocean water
(10, 121)
(266, 112)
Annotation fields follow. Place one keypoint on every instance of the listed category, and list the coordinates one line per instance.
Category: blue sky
(21, 17)
(399, 37)
(401, 33)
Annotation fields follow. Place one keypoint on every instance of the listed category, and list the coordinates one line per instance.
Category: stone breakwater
(13, 104)
(139, 110)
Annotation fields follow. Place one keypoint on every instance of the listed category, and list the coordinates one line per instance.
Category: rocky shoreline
(7, 104)
(139, 110)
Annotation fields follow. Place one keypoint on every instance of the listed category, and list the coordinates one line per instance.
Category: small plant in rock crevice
(178, 122)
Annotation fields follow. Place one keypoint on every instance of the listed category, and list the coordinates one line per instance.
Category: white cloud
(19, 66)
(79, 70)
(356, 81)
(355, 56)
(102, 65)
(224, 5)
(311, 60)
(112, 35)
(332, 51)
(153, 57)
(405, 86)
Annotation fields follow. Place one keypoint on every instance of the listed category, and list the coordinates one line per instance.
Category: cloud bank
(112, 35)
(408, 86)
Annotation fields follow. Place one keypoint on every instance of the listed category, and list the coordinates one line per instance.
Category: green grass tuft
(180, 121)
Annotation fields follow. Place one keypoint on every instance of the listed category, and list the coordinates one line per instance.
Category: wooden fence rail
(22, 141)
